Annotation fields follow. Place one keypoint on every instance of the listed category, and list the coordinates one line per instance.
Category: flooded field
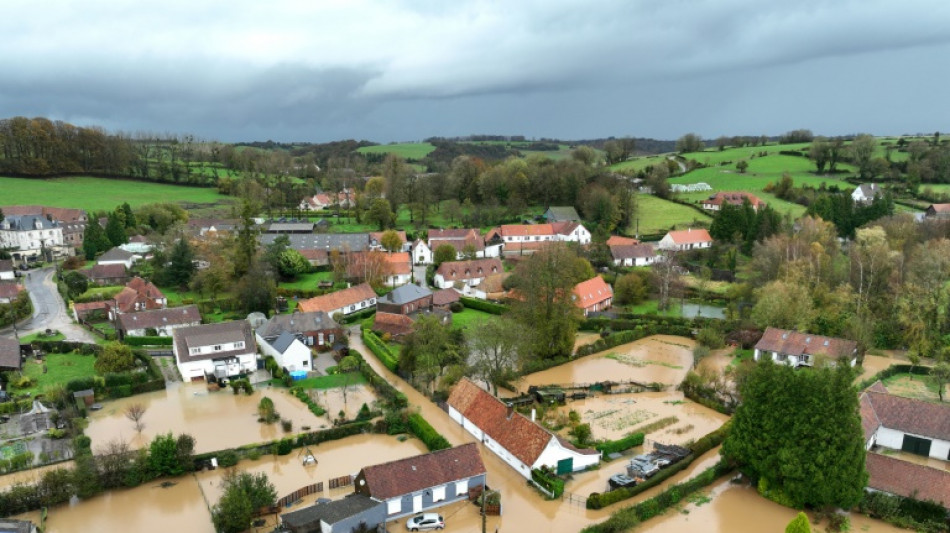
(333, 401)
(32, 475)
(739, 509)
(660, 358)
(873, 364)
(216, 420)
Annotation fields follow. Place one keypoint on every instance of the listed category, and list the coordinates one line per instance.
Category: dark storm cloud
(313, 70)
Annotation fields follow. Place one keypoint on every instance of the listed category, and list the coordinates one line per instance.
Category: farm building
(593, 295)
(350, 300)
(899, 423)
(715, 202)
(161, 321)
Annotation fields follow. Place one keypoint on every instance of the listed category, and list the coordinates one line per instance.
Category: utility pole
(484, 518)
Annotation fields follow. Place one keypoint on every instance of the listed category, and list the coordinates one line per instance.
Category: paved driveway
(49, 309)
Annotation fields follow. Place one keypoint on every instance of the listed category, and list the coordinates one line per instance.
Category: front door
(916, 445)
(417, 503)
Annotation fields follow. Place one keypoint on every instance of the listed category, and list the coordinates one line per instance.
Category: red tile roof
(592, 292)
(10, 290)
(617, 240)
(522, 230)
(733, 198)
(940, 208)
(788, 342)
(907, 479)
(329, 303)
(565, 227)
(906, 414)
(111, 271)
(475, 243)
(392, 323)
(690, 236)
(445, 297)
(394, 264)
(412, 474)
(476, 268)
(90, 306)
(63, 214)
(453, 234)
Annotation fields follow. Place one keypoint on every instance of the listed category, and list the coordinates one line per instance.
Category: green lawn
(100, 293)
(469, 317)
(40, 336)
(325, 382)
(658, 216)
(649, 307)
(404, 150)
(102, 194)
(61, 368)
(640, 163)
(307, 281)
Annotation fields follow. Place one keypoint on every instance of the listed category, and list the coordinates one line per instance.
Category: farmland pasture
(96, 194)
(657, 215)
(404, 150)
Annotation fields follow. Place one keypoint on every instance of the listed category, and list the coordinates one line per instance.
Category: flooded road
(217, 420)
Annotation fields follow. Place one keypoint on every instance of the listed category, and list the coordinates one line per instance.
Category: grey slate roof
(9, 353)
(296, 323)
(210, 334)
(8, 525)
(354, 242)
(283, 341)
(116, 254)
(157, 318)
(331, 512)
(28, 222)
(406, 293)
(562, 214)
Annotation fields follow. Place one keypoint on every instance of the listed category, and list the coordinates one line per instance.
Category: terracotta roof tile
(788, 342)
(476, 268)
(690, 236)
(617, 240)
(907, 479)
(392, 323)
(909, 415)
(523, 230)
(412, 474)
(591, 292)
(453, 234)
(337, 300)
(445, 297)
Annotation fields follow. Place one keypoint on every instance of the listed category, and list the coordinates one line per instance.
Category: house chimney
(511, 411)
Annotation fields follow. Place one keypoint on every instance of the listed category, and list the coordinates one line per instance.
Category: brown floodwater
(217, 420)
(333, 401)
(738, 508)
(30, 476)
(660, 358)
(873, 364)
(717, 360)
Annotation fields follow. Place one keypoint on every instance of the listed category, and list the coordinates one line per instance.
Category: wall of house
(422, 255)
(127, 263)
(164, 331)
(894, 439)
(490, 443)
(554, 452)
(431, 497)
(198, 369)
(371, 517)
(397, 280)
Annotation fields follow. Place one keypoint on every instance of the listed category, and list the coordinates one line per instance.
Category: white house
(899, 423)
(117, 256)
(317, 202)
(6, 270)
(421, 253)
(802, 349)
(571, 232)
(466, 241)
(350, 300)
(27, 236)
(470, 273)
(515, 439)
(220, 351)
(865, 193)
(633, 254)
(688, 239)
(288, 351)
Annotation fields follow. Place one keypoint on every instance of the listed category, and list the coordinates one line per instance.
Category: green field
(640, 163)
(307, 281)
(658, 216)
(97, 194)
(60, 369)
(404, 150)
(469, 318)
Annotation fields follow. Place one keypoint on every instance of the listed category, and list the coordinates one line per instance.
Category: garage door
(916, 445)
(198, 378)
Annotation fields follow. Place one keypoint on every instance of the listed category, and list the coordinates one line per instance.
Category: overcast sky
(314, 70)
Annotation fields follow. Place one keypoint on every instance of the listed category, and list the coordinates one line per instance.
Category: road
(49, 309)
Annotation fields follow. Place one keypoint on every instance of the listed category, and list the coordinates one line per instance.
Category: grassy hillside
(404, 150)
(659, 216)
(100, 194)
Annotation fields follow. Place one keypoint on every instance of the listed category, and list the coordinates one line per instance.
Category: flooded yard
(216, 420)
(333, 401)
(873, 364)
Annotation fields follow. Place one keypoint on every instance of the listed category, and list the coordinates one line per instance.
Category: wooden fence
(342, 481)
(300, 493)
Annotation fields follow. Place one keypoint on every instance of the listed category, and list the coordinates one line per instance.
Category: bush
(227, 458)
(617, 446)
(305, 398)
(545, 478)
(426, 433)
(482, 305)
(385, 355)
(456, 307)
(711, 337)
(148, 341)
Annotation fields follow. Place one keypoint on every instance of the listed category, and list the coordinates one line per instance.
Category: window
(305, 363)
(330, 338)
(194, 351)
(217, 347)
(352, 308)
(239, 345)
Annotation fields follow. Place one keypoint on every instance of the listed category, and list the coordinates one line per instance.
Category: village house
(139, 295)
(117, 256)
(530, 237)
(630, 255)
(907, 479)
(30, 236)
(593, 295)
(89, 310)
(317, 202)
(899, 423)
(420, 252)
(72, 221)
(212, 226)
(469, 273)
(491, 288)
(394, 269)
(316, 258)
(345, 515)
(865, 193)
(802, 349)
(406, 299)
(424, 482)
(937, 211)
(395, 324)
(288, 352)
(222, 351)
(618, 240)
(313, 328)
(561, 214)
(376, 240)
(444, 298)
(688, 239)
(345, 302)
(10, 359)
(161, 322)
(518, 441)
(714, 202)
(468, 242)
(571, 232)
(7, 272)
(107, 274)
(9, 291)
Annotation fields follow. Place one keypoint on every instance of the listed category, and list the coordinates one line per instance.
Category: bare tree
(135, 412)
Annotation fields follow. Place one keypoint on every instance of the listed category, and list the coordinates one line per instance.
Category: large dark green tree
(181, 265)
(94, 239)
(798, 434)
(115, 228)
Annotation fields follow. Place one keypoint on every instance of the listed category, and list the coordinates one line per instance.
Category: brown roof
(9, 353)
(869, 420)
(907, 479)
(476, 268)
(445, 297)
(320, 257)
(788, 342)
(453, 234)
(111, 271)
(157, 318)
(412, 474)
(6, 265)
(564, 227)
(10, 289)
(906, 414)
(940, 208)
(617, 240)
(378, 236)
(475, 243)
(90, 306)
(520, 436)
(63, 214)
(690, 236)
(494, 283)
(632, 251)
(392, 323)
(734, 198)
(209, 334)
(523, 230)
(336, 300)
(593, 291)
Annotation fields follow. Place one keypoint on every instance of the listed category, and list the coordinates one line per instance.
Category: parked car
(425, 521)
(621, 480)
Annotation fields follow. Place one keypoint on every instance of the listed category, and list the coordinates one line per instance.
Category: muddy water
(356, 395)
(739, 509)
(216, 420)
(584, 337)
(873, 364)
(660, 358)
(30, 476)
(718, 360)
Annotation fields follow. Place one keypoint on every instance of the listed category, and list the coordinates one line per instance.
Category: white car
(425, 521)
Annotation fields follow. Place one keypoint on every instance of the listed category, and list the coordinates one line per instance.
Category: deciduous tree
(444, 253)
(391, 241)
(244, 493)
(494, 352)
(114, 358)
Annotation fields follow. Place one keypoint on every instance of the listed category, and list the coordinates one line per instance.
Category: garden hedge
(393, 397)
(148, 341)
(619, 445)
(549, 481)
(482, 305)
(379, 348)
(426, 433)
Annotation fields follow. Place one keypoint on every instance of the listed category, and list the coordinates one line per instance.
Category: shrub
(617, 446)
(227, 458)
(482, 305)
(426, 433)
(148, 341)
(545, 478)
(385, 355)
(711, 337)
